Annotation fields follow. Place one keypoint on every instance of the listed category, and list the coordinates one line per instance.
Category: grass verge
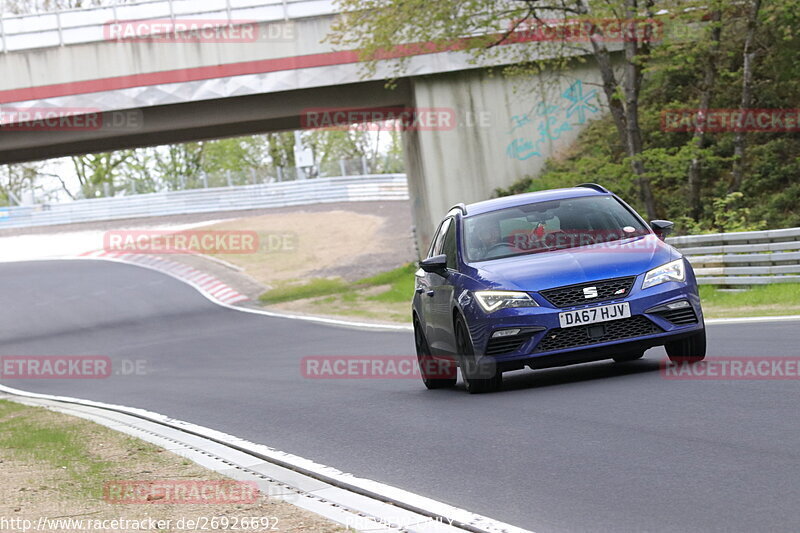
(384, 297)
(27, 435)
(55, 467)
(763, 300)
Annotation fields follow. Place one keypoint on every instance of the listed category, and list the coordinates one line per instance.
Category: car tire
(630, 356)
(426, 361)
(466, 352)
(689, 350)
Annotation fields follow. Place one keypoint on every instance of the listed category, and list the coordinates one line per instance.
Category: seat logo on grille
(590, 292)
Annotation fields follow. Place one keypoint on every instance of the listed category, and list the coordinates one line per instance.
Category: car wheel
(689, 350)
(630, 356)
(445, 372)
(474, 378)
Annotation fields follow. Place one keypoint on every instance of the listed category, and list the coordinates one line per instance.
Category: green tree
(99, 174)
(15, 180)
(179, 166)
(393, 29)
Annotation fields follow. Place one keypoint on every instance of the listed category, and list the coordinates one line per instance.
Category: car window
(436, 247)
(434, 240)
(449, 246)
(546, 226)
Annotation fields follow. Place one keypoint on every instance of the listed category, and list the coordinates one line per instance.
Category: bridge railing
(377, 187)
(86, 25)
(743, 258)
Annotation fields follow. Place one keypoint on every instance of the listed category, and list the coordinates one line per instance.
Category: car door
(442, 286)
(425, 286)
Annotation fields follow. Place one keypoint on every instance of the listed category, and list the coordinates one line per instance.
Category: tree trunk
(740, 141)
(634, 53)
(610, 83)
(709, 79)
(626, 114)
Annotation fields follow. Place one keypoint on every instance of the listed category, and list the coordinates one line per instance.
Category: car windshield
(547, 226)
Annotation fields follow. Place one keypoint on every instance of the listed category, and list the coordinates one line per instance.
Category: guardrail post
(13, 197)
(364, 168)
(114, 10)
(171, 11)
(205, 180)
(228, 177)
(342, 167)
(228, 10)
(285, 11)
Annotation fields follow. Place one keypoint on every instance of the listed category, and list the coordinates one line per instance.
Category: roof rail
(461, 207)
(594, 186)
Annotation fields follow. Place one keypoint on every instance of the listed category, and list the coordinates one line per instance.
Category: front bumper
(543, 343)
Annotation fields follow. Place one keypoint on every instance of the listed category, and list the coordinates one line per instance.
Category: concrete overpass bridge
(260, 67)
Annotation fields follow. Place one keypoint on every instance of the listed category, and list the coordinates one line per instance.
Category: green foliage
(778, 294)
(311, 289)
(215, 163)
(773, 189)
(768, 197)
(730, 215)
(400, 282)
(25, 435)
(15, 180)
(700, 38)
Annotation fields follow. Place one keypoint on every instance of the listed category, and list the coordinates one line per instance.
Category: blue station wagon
(547, 279)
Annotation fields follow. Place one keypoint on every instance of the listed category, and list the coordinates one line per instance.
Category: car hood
(546, 270)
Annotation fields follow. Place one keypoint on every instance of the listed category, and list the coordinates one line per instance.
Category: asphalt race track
(597, 447)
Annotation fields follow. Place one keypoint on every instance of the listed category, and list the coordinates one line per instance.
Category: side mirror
(662, 228)
(435, 265)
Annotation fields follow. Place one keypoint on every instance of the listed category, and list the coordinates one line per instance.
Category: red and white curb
(207, 284)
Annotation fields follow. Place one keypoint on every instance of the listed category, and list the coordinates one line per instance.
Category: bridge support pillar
(501, 130)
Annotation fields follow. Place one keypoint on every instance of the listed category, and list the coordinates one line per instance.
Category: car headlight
(672, 271)
(494, 300)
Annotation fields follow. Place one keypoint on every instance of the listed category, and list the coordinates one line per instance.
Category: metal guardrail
(743, 258)
(376, 187)
(86, 25)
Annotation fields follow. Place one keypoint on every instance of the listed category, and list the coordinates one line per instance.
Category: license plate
(593, 315)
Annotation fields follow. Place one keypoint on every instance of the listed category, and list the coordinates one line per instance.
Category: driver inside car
(488, 237)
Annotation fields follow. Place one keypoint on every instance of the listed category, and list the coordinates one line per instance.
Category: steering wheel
(499, 244)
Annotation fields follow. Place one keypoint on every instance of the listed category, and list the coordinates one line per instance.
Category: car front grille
(680, 317)
(571, 295)
(627, 328)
